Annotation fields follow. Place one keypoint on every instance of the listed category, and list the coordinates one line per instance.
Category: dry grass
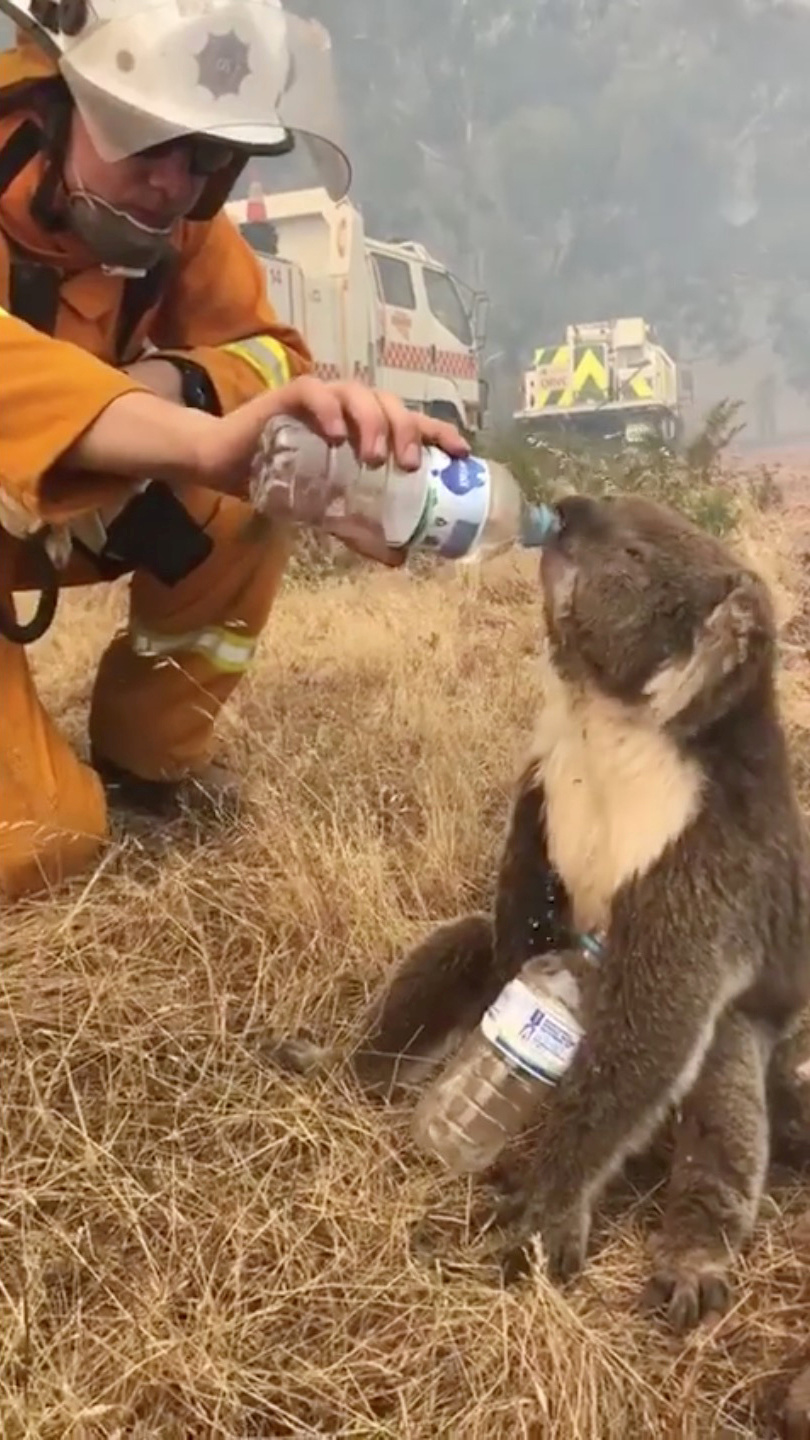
(197, 1246)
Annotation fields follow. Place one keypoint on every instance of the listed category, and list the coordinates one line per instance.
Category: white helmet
(241, 72)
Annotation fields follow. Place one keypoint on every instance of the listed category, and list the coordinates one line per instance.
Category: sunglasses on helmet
(206, 157)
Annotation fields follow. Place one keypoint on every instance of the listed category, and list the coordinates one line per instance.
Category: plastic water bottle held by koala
(456, 509)
(495, 1086)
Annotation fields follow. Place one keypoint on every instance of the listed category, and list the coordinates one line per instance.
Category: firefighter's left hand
(377, 424)
(380, 428)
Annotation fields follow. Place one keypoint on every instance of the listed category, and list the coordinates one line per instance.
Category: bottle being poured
(456, 509)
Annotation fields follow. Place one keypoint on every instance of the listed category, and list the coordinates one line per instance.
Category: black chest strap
(18, 151)
(33, 293)
(141, 292)
(33, 288)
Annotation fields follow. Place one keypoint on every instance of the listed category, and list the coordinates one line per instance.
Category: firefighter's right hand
(378, 426)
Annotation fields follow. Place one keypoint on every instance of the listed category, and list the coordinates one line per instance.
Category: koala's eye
(634, 553)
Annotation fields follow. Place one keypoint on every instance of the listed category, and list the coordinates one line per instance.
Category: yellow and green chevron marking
(564, 380)
(636, 387)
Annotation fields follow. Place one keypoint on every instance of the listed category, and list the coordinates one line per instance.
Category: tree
(592, 157)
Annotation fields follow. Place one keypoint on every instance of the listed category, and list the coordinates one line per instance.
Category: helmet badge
(223, 65)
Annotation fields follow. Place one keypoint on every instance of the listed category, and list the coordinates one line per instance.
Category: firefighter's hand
(377, 424)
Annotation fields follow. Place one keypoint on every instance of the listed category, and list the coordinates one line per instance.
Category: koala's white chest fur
(617, 793)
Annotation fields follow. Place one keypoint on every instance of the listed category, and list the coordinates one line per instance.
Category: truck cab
(387, 312)
(605, 379)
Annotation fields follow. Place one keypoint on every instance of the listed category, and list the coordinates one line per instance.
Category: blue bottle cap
(592, 944)
(540, 524)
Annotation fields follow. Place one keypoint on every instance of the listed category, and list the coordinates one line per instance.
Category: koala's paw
(687, 1288)
(564, 1239)
(298, 1054)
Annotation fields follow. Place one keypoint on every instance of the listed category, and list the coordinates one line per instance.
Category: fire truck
(386, 312)
(608, 380)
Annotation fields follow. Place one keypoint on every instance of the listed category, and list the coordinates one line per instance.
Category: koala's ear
(729, 651)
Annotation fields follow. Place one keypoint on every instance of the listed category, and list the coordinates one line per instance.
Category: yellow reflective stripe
(264, 355)
(229, 651)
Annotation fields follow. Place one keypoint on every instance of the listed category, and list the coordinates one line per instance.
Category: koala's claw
(516, 1261)
(566, 1257)
(687, 1291)
(508, 1210)
(296, 1054)
(564, 1244)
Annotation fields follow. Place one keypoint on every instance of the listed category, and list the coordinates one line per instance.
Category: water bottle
(495, 1085)
(456, 509)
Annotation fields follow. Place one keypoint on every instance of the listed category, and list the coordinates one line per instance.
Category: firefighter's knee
(161, 686)
(46, 838)
(53, 815)
(40, 851)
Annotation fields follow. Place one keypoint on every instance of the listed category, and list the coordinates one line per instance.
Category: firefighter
(140, 359)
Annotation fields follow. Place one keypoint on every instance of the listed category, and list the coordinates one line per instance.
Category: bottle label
(456, 504)
(539, 1037)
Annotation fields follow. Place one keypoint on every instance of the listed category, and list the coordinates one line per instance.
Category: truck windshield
(447, 306)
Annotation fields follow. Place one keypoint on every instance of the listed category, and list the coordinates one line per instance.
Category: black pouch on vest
(153, 533)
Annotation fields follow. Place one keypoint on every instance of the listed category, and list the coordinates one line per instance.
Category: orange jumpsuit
(147, 716)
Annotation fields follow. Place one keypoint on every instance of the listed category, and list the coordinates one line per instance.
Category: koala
(656, 806)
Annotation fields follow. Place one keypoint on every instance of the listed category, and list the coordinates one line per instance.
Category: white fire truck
(386, 312)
